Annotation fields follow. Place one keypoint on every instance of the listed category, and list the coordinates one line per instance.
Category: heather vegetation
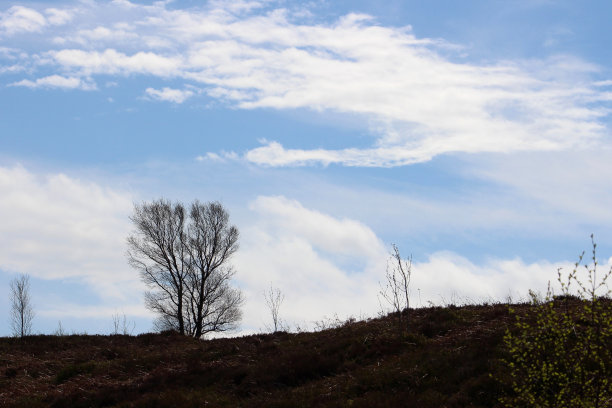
(444, 360)
(542, 352)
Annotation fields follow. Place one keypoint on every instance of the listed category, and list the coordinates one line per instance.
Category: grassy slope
(443, 361)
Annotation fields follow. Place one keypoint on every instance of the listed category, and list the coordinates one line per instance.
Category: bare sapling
(396, 291)
(122, 326)
(274, 298)
(22, 312)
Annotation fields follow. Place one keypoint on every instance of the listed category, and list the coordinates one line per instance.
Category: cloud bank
(63, 228)
(419, 97)
(328, 266)
(58, 227)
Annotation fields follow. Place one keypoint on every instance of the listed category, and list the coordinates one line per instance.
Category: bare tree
(22, 313)
(274, 298)
(213, 304)
(184, 260)
(397, 288)
(157, 250)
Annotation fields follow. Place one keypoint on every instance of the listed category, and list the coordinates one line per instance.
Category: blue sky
(474, 135)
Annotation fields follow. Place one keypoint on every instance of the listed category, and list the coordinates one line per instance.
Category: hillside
(444, 361)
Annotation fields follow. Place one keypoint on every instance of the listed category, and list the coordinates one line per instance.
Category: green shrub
(560, 355)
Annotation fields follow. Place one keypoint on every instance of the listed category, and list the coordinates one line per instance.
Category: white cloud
(58, 16)
(422, 100)
(575, 184)
(111, 62)
(275, 155)
(10, 53)
(70, 310)
(169, 94)
(11, 69)
(54, 227)
(19, 19)
(447, 277)
(223, 157)
(57, 81)
(329, 266)
(58, 227)
(323, 265)
(237, 6)
(101, 34)
(325, 233)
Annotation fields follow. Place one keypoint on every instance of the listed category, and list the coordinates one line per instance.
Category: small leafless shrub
(396, 291)
(274, 298)
(122, 326)
(60, 329)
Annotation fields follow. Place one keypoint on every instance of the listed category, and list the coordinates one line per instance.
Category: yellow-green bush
(560, 354)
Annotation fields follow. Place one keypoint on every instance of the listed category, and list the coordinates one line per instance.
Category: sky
(474, 135)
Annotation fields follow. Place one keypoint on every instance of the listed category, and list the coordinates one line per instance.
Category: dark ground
(443, 360)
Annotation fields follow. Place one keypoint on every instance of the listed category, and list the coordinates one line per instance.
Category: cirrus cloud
(57, 81)
(418, 96)
(169, 95)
